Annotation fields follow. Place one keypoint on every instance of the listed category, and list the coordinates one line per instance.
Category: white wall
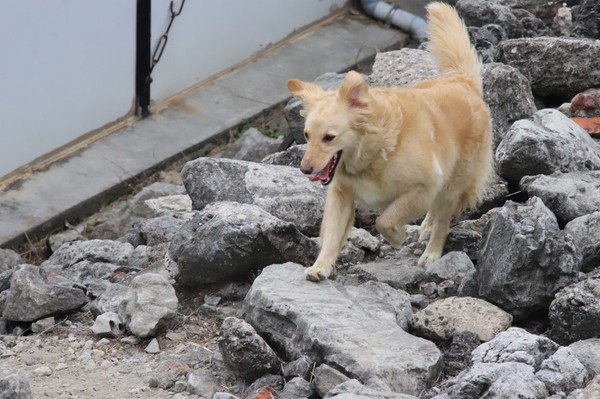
(67, 67)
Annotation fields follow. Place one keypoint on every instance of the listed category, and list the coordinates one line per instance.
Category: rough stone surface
(585, 231)
(402, 274)
(525, 259)
(442, 319)
(479, 13)
(402, 68)
(282, 191)
(14, 385)
(9, 259)
(155, 231)
(457, 357)
(382, 300)
(109, 299)
(55, 241)
(108, 325)
(549, 142)
(244, 351)
(587, 352)
(508, 95)
(31, 297)
(296, 315)
(485, 39)
(591, 391)
(150, 306)
(554, 66)
(575, 312)
(452, 266)
(562, 372)
(228, 240)
(203, 383)
(568, 195)
(290, 157)
(296, 388)
(326, 378)
(85, 261)
(495, 380)
(515, 345)
(252, 145)
(353, 389)
(585, 19)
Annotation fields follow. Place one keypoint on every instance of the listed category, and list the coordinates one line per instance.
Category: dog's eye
(328, 137)
(306, 136)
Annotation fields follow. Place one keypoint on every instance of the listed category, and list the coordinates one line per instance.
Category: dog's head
(330, 123)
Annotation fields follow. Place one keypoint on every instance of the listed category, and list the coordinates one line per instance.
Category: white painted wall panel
(67, 67)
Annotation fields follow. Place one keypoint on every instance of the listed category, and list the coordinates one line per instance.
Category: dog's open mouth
(326, 174)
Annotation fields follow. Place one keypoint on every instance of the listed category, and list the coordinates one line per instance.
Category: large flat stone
(319, 320)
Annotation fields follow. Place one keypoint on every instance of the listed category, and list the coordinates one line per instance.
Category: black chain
(162, 42)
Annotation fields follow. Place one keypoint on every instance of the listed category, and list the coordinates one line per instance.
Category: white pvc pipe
(404, 20)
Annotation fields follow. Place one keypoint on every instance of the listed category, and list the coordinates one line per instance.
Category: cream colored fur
(406, 152)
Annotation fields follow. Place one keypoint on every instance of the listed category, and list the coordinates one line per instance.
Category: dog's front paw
(317, 273)
(427, 258)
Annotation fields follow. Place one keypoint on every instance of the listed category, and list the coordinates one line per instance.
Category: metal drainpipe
(404, 20)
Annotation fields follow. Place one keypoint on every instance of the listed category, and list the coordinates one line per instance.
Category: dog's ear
(354, 90)
(303, 90)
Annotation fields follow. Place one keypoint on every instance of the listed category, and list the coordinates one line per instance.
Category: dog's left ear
(354, 90)
(304, 91)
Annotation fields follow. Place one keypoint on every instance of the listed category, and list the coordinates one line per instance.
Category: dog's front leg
(337, 220)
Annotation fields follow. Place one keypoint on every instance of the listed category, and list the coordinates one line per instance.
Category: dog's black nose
(307, 170)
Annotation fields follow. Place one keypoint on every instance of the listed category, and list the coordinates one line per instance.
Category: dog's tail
(450, 44)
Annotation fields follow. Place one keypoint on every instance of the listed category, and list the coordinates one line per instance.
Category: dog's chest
(371, 195)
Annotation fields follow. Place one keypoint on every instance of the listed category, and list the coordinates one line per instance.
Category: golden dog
(403, 151)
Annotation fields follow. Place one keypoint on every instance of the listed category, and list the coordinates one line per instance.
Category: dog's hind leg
(401, 211)
(425, 227)
(444, 207)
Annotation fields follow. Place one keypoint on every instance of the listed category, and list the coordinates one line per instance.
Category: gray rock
(14, 385)
(515, 345)
(442, 319)
(383, 301)
(31, 297)
(42, 325)
(562, 372)
(508, 95)
(150, 306)
(282, 191)
(362, 239)
(480, 13)
(224, 395)
(554, 65)
(495, 380)
(586, 15)
(108, 325)
(9, 259)
(401, 274)
(269, 383)
(402, 68)
(228, 240)
(300, 367)
(55, 241)
(525, 259)
(252, 145)
(326, 378)
(244, 351)
(452, 266)
(116, 221)
(549, 142)
(587, 352)
(154, 231)
(485, 39)
(177, 205)
(203, 383)
(296, 388)
(591, 391)
(152, 347)
(85, 261)
(575, 312)
(457, 357)
(109, 299)
(353, 389)
(290, 157)
(317, 320)
(585, 231)
(568, 195)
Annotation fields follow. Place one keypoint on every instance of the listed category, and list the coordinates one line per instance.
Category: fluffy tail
(450, 44)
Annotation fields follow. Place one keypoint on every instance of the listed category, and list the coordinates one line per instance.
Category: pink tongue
(323, 174)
